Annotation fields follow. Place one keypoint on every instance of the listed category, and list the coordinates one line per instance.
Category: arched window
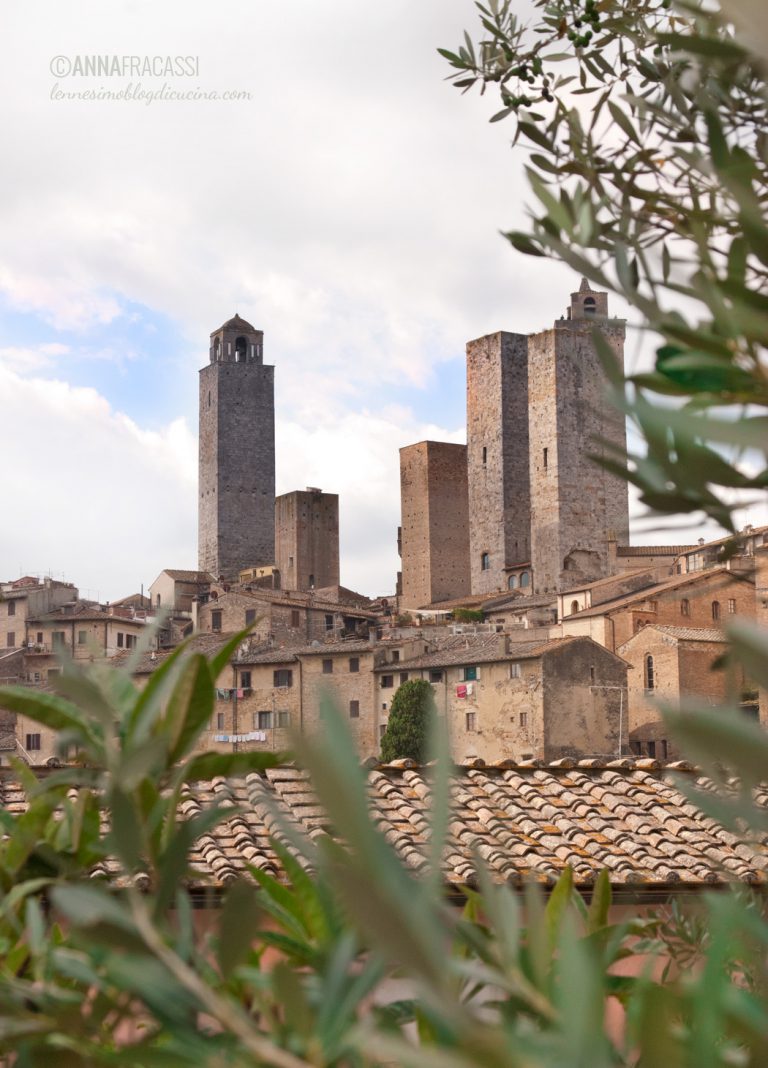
(217, 349)
(485, 562)
(512, 582)
(311, 582)
(525, 578)
(574, 606)
(650, 674)
(715, 610)
(241, 349)
(589, 305)
(685, 607)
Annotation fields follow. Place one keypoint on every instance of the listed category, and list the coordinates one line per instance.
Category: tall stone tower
(307, 539)
(497, 459)
(435, 523)
(236, 511)
(576, 505)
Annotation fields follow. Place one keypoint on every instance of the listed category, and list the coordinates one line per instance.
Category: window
(525, 578)
(11, 608)
(36, 676)
(574, 607)
(731, 605)
(403, 677)
(82, 637)
(664, 749)
(685, 607)
(327, 667)
(515, 671)
(468, 674)
(53, 672)
(245, 680)
(523, 719)
(283, 677)
(216, 620)
(311, 582)
(220, 721)
(283, 718)
(387, 682)
(512, 582)
(354, 710)
(130, 641)
(354, 663)
(649, 673)
(485, 562)
(59, 638)
(485, 454)
(10, 640)
(295, 618)
(589, 305)
(651, 749)
(329, 622)
(120, 640)
(250, 616)
(264, 721)
(395, 656)
(591, 674)
(546, 451)
(382, 729)
(39, 638)
(470, 721)
(715, 610)
(435, 676)
(33, 743)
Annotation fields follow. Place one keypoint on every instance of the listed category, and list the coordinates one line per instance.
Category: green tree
(409, 718)
(648, 168)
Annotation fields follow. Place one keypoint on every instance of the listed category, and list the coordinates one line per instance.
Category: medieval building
(236, 504)
(307, 539)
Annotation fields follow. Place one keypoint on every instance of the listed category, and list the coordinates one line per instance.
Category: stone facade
(497, 458)
(280, 617)
(307, 539)
(576, 505)
(434, 538)
(236, 504)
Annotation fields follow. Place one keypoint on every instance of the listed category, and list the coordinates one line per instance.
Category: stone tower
(497, 459)
(576, 505)
(236, 512)
(435, 523)
(307, 539)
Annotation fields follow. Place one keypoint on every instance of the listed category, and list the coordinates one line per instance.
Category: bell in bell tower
(236, 502)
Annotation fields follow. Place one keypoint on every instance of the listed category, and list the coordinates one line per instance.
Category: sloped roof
(691, 634)
(652, 591)
(524, 821)
(653, 550)
(186, 576)
(236, 323)
(462, 650)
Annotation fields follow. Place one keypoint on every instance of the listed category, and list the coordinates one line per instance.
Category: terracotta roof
(207, 644)
(653, 550)
(186, 576)
(691, 634)
(237, 323)
(524, 821)
(739, 536)
(649, 592)
(622, 576)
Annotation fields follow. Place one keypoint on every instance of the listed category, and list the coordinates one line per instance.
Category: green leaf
(238, 926)
(599, 906)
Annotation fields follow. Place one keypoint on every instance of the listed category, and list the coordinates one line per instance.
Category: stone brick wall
(497, 457)
(236, 514)
(307, 539)
(585, 701)
(435, 523)
(575, 504)
(342, 686)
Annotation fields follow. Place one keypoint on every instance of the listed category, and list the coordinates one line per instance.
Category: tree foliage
(410, 713)
(648, 170)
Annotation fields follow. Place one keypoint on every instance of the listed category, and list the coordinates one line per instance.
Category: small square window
(469, 674)
(327, 667)
(731, 605)
(354, 710)
(250, 616)
(245, 680)
(33, 743)
(387, 682)
(10, 639)
(216, 620)
(283, 677)
(39, 638)
(329, 622)
(295, 617)
(283, 718)
(354, 663)
(435, 676)
(120, 640)
(220, 721)
(403, 677)
(264, 721)
(515, 671)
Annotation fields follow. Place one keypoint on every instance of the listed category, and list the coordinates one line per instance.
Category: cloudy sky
(349, 204)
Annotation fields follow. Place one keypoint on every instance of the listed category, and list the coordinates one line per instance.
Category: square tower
(497, 459)
(576, 505)
(236, 504)
(435, 523)
(307, 539)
